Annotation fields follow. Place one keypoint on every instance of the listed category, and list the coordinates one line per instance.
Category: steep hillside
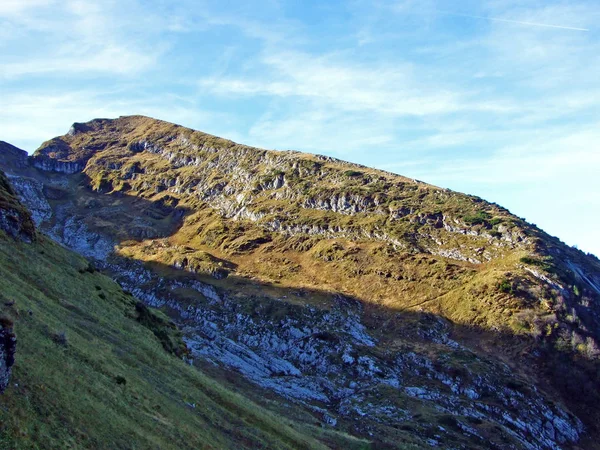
(95, 368)
(385, 305)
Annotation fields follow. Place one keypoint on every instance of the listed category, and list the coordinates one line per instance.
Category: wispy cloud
(109, 59)
(334, 81)
(78, 37)
(16, 7)
(518, 22)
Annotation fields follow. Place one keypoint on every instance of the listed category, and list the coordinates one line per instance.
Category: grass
(91, 372)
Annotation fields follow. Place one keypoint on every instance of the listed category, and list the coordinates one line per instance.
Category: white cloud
(321, 131)
(518, 22)
(388, 89)
(535, 156)
(108, 59)
(74, 37)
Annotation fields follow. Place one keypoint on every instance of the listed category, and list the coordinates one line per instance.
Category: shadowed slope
(91, 373)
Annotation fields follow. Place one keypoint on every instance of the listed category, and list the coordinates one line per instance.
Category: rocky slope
(386, 306)
(96, 368)
(15, 220)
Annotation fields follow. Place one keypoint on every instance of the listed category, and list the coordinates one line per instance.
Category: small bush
(353, 173)
(164, 330)
(449, 421)
(544, 264)
(532, 261)
(60, 338)
(505, 286)
(495, 221)
(481, 217)
(515, 385)
(6, 322)
(90, 268)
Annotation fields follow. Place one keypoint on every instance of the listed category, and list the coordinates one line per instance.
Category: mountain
(376, 305)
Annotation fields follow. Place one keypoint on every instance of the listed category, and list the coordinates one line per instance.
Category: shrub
(480, 217)
(353, 173)
(534, 262)
(496, 221)
(164, 330)
(60, 338)
(547, 265)
(505, 286)
(90, 268)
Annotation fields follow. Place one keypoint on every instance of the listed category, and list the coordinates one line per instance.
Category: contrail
(496, 19)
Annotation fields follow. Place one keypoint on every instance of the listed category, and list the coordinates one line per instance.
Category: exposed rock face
(57, 156)
(31, 193)
(15, 220)
(8, 346)
(57, 166)
(329, 360)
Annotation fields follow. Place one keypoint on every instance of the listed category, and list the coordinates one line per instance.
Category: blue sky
(496, 98)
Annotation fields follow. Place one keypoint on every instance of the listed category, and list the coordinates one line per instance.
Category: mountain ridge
(261, 228)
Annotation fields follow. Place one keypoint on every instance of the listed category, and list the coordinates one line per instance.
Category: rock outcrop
(8, 346)
(329, 360)
(15, 220)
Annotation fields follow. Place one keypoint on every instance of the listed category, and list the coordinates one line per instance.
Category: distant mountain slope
(14, 218)
(289, 268)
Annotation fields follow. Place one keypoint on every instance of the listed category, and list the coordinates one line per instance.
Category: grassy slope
(64, 391)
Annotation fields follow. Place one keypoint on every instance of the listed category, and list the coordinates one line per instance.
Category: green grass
(88, 374)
